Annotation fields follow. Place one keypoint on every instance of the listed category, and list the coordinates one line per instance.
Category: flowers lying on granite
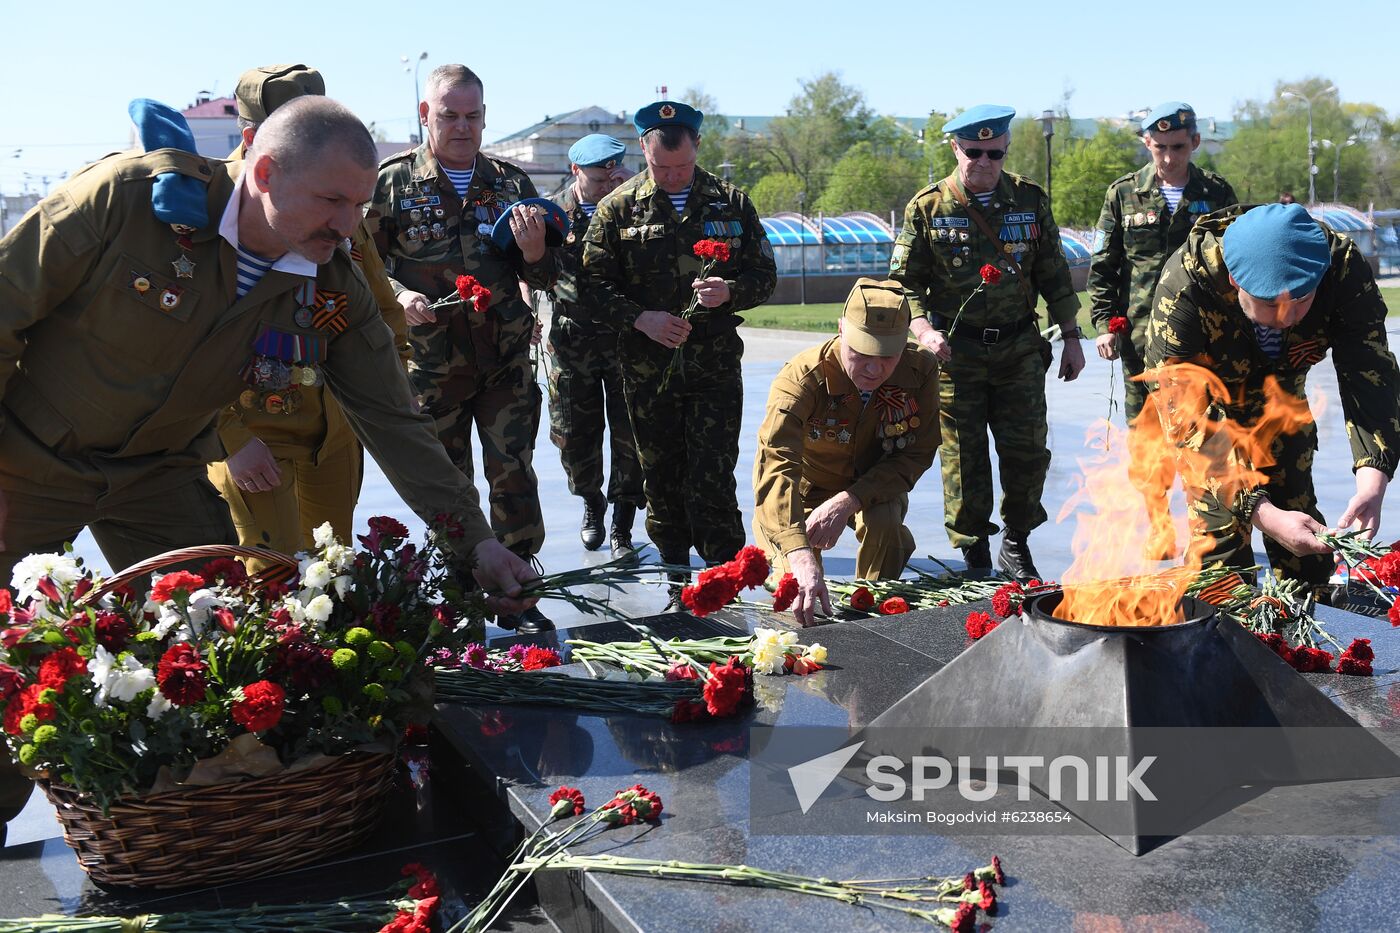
(1376, 566)
(514, 658)
(634, 804)
(717, 587)
(923, 591)
(768, 651)
(406, 907)
(979, 624)
(785, 593)
(894, 606)
(1356, 660)
(1007, 600)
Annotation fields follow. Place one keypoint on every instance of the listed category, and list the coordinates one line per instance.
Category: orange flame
(1183, 428)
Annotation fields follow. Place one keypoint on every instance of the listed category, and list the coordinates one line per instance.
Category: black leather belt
(987, 336)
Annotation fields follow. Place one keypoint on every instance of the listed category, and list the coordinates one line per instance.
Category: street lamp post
(802, 239)
(1337, 165)
(417, 95)
(1047, 126)
(1312, 147)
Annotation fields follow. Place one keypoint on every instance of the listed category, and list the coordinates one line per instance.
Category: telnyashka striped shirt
(1172, 195)
(678, 199)
(251, 269)
(1270, 340)
(984, 196)
(461, 181)
(587, 208)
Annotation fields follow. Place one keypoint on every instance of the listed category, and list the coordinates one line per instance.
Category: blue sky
(67, 81)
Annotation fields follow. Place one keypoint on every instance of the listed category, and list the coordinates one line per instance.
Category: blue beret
(985, 121)
(1173, 115)
(175, 198)
(556, 224)
(1276, 248)
(597, 150)
(667, 113)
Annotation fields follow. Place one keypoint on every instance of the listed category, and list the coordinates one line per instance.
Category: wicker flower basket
(224, 832)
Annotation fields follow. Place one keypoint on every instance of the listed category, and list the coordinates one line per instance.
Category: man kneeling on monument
(851, 426)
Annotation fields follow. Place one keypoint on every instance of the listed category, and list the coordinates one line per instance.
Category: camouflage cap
(876, 319)
(263, 90)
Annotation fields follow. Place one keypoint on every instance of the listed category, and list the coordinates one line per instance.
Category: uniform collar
(291, 263)
(1147, 179)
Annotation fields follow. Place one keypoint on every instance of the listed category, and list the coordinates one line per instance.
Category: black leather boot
(1015, 558)
(591, 531)
(978, 557)
(675, 557)
(529, 622)
(620, 538)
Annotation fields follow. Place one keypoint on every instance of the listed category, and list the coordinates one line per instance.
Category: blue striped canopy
(1340, 220)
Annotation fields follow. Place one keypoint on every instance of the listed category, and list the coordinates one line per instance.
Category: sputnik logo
(810, 779)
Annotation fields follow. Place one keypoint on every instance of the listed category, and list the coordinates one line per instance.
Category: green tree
(1085, 169)
(713, 131)
(777, 192)
(822, 122)
(867, 180)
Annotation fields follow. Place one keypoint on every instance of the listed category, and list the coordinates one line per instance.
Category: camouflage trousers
(884, 543)
(504, 405)
(585, 389)
(1001, 389)
(1222, 537)
(688, 441)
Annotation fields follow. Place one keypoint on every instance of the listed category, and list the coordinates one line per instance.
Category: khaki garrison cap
(263, 90)
(876, 318)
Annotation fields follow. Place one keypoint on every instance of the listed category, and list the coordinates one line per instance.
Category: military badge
(667, 111)
(412, 234)
(1100, 241)
(957, 260)
(985, 133)
(1163, 125)
(184, 268)
(330, 311)
(183, 229)
(1151, 217)
(415, 215)
(303, 317)
(139, 283)
(170, 298)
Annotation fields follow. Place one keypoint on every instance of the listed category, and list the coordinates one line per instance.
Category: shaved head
(301, 132)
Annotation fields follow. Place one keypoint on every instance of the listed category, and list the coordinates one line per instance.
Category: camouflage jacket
(940, 249)
(428, 236)
(1196, 318)
(570, 258)
(819, 438)
(1136, 233)
(637, 254)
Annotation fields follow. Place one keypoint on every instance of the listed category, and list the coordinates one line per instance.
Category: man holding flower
(678, 341)
(851, 426)
(994, 359)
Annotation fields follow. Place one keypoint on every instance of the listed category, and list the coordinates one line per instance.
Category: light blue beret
(667, 113)
(1276, 248)
(596, 150)
(985, 121)
(1173, 115)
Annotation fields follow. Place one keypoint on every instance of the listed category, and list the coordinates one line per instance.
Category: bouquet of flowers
(710, 253)
(468, 291)
(207, 676)
(767, 651)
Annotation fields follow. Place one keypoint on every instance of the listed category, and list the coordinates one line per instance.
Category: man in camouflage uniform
(289, 472)
(122, 337)
(993, 374)
(638, 264)
(1225, 303)
(851, 426)
(469, 366)
(585, 381)
(1146, 216)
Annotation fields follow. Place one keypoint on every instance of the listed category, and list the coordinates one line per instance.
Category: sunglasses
(996, 155)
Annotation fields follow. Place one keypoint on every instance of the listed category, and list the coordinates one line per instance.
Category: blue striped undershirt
(678, 199)
(251, 269)
(587, 208)
(984, 196)
(461, 181)
(1270, 340)
(1172, 195)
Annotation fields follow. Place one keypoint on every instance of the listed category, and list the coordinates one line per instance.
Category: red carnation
(57, 668)
(713, 590)
(26, 702)
(965, 919)
(682, 670)
(113, 631)
(1312, 660)
(862, 598)
(786, 592)
(388, 527)
(425, 884)
(7, 601)
(224, 569)
(752, 566)
(571, 794)
(180, 674)
(894, 606)
(714, 250)
(1356, 660)
(988, 903)
(726, 687)
(1118, 325)
(969, 882)
(647, 803)
(998, 875)
(180, 581)
(470, 290)
(688, 711)
(1004, 601)
(979, 624)
(1278, 644)
(11, 682)
(537, 658)
(1394, 614)
(261, 706)
(991, 275)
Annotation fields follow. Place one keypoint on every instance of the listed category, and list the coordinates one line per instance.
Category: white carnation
(60, 568)
(121, 679)
(323, 535)
(158, 706)
(319, 609)
(317, 575)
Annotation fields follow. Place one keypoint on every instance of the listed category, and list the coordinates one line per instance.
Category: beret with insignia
(667, 113)
(985, 121)
(1172, 115)
(597, 150)
(556, 224)
(1276, 248)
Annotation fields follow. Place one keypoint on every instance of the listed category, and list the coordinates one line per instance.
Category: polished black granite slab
(1214, 879)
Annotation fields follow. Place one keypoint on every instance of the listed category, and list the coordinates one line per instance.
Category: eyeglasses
(996, 155)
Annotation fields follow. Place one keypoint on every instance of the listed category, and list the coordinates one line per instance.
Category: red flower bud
(1118, 325)
(991, 275)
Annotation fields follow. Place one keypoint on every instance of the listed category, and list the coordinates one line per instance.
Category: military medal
(248, 399)
(412, 234)
(1139, 219)
(303, 316)
(1151, 217)
(272, 404)
(957, 260)
(184, 268)
(291, 402)
(170, 298)
(309, 376)
(140, 283)
(439, 212)
(844, 436)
